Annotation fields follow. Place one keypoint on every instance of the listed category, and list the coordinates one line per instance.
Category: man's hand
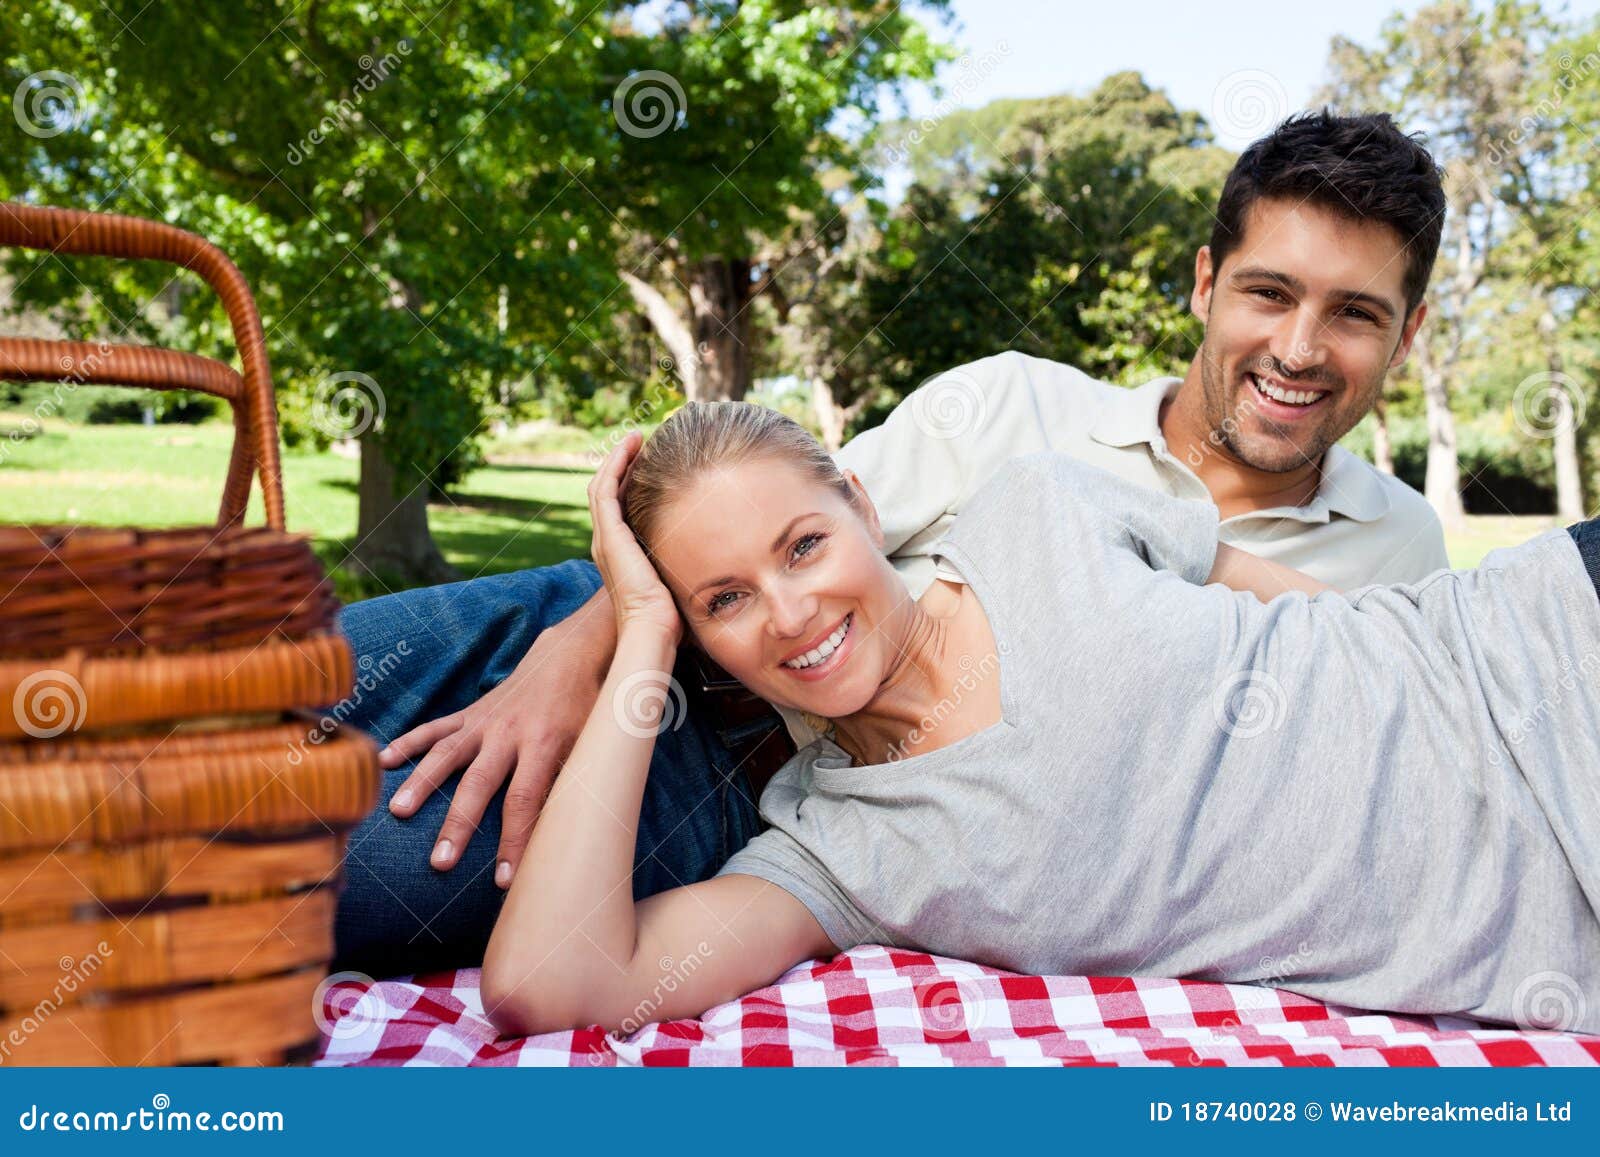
(524, 728)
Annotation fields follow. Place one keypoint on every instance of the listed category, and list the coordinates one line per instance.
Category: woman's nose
(790, 613)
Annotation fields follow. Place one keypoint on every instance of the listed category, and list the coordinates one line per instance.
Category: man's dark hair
(1361, 167)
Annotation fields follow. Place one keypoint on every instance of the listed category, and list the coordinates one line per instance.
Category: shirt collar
(1350, 486)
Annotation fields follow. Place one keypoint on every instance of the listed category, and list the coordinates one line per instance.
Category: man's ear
(868, 512)
(1200, 299)
(1408, 334)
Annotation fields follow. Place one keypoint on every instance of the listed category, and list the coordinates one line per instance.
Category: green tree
(396, 181)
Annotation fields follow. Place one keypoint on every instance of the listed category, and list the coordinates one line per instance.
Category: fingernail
(441, 852)
(401, 799)
(502, 873)
(383, 753)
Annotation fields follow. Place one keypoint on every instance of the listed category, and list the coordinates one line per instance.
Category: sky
(1244, 64)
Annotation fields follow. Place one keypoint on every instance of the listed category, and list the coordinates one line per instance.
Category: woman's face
(769, 565)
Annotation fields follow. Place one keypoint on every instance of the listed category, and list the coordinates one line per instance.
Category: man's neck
(1236, 487)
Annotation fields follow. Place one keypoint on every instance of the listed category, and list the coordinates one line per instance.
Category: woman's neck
(930, 644)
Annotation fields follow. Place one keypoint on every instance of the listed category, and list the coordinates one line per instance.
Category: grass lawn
(502, 518)
(510, 515)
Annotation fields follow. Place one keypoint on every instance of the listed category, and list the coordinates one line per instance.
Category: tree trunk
(1443, 484)
(719, 294)
(392, 536)
(1563, 424)
(671, 329)
(831, 417)
(1382, 446)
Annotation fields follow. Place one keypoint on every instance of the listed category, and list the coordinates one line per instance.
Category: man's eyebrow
(1296, 286)
(777, 545)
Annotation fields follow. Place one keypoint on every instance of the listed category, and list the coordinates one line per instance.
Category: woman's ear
(868, 512)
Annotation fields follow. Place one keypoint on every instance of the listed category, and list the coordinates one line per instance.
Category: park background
(488, 237)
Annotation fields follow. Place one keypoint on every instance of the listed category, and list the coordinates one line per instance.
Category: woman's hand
(637, 593)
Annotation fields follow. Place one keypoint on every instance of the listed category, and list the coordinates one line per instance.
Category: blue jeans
(425, 653)
(1587, 537)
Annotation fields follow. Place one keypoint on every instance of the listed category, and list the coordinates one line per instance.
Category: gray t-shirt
(1388, 798)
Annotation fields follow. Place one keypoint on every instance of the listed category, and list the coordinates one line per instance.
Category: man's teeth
(1288, 397)
(827, 647)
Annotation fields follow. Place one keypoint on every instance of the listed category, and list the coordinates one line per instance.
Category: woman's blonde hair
(703, 436)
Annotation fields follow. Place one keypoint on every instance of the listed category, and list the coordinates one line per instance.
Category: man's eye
(1272, 293)
(1361, 313)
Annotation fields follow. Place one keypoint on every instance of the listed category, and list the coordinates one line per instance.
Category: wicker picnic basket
(173, 809)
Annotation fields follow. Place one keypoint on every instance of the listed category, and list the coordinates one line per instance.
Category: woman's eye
(808, 544)
(722, 602)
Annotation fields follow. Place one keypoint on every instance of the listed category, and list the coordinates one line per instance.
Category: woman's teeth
(1287, 397)
(827, 647)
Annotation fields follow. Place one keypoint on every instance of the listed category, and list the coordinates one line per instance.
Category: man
(1311, 292)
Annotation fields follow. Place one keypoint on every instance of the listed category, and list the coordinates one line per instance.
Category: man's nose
(1301, 342)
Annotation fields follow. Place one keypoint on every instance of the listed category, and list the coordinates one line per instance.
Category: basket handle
(255, 419)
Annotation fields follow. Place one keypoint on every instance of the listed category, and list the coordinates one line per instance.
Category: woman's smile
(821, 658)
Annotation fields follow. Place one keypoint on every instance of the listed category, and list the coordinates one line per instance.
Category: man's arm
(1261, 577)
(503, 734)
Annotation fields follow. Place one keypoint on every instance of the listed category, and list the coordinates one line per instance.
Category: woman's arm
(571, 947)
(1261, 577)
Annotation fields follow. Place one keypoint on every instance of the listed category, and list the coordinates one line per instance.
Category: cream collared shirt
(945, 440)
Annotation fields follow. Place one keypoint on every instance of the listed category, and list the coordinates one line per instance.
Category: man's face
(1303, 321)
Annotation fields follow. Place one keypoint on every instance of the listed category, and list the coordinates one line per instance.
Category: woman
(1078, 752)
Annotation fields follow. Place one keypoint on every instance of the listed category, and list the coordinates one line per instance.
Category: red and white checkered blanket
(885, 1006)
